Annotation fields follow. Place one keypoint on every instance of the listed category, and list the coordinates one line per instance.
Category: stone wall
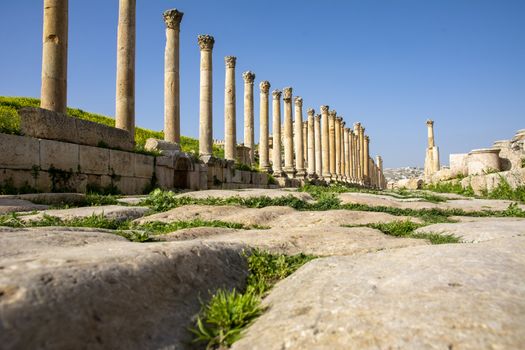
(56, 166)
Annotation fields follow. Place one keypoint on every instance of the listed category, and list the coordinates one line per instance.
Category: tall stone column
(311, 143)
(299, 153)
(249, 142)
(288, 133)
(264, 163)
(53, 94)
(317, 143)
(367, 156)
(206, 43)
(346, 154)
(125, 109)
(230, 129)
(331, 126)
(353, 167)
(172, 19)
(305, 144)
(430, 133)
(432, 155)
(337, 130)
(357, 132)
(276, 148)
(379, 163)
(325, 147)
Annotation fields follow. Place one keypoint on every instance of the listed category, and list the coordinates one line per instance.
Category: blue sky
(390, 64)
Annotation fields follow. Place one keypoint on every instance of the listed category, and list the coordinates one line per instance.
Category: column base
(208, 159)
(290, 172)
(279, 173)
(266, 169)
(301, 173)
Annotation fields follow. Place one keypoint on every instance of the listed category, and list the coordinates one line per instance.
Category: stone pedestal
(288, 133)
(249, 78)
(317, 143)
(125, 96)
(483, 161)
(172, 19)
(325, 143)
(54, 56)
(299, 153)
(230, 122)
(264, 163)
(276, 135)
(206, 43)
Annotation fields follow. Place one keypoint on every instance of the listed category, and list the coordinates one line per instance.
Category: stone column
(337, 130)
(311, 144)
(353, 168)
(357, 132)
(379, 163)
(206, 43)
(249, 142)
(346, 153)
(276, 148)
(366, 152)
(432, 155)
(317, 144)
(362, 160)
(53, 93)
(172, 18)
(264, 163)
(288, 132)
(230, 129)
(430, 133)
(299, 153)
(125, 109)
(305, 144)
(331, 126)
(325, 147)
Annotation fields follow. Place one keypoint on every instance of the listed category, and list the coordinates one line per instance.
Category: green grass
(450, 187)
(221, 321)
(10, 124)
(406, 228)
(505, 191)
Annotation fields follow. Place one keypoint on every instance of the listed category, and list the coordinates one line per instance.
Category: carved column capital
(324, 109)
(276, 94)
(230, 61)
(265, 86)
(206, 42)
(339, 119)
(357, 125)
(287, 93)
(248, 77)
(317, 117)
(298, 101)
(172, 18)
(333, 113)
(311, 111)
(367, 138)
(430, 122)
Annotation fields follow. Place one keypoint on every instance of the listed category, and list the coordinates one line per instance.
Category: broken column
(276, 135)
(230, 130)
(53, 94)
(125, 96)
(172, 19)
(432, 154)
(205, 100)
(288, 132)
(264, 163)
(311, 144)
(249, 142)
(331, 126)
(325, 148)
(317, 143)
(299, 154)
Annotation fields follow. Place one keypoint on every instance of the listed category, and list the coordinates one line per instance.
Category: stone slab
(94, 160)
(116, 212)
(121, 163)
(59, 155)
(45, 124)
(19, 152)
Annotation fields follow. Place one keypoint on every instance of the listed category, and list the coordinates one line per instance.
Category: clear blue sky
(390, 64)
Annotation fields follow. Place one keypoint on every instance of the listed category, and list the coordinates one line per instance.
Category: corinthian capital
(357, 126)
(298, 101)
(276, 94)
(310, 111)
(338, 119)
(264, 86)
(287, 94)
(430, 122)
(172, 18)
(317, 117)
(324, 109)
(248, 77)
(332, 113)
(206, 42)
(367, 138)
(230, 61)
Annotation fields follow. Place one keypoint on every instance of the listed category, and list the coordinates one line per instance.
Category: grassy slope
(10, 123)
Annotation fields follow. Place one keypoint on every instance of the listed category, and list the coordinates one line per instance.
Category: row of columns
(321, 147)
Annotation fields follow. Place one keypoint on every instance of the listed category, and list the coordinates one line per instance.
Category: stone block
(194, 180)
(121, 163)
(458, 164)
(144, 165)
(246, 177)
(164, 147)
(19, 152)
(17, 178)
(45, 124)
(59, 155)
(478, 183)
(165, 161)
(165, 177)
(94, 160)
(237, 177)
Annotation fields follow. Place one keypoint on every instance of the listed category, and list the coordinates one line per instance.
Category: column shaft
(346, 154)
(325, 147)
(367, 156)
(331, 125)
(305, 144)
(311, 143)
(288, 132)
(337, 130)
(125, 97)
(264, 163)
(206, 43)
(317, 143)
(276, 135)
(230, 129)
(249, 142)
(299, 153)
(53, 94)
